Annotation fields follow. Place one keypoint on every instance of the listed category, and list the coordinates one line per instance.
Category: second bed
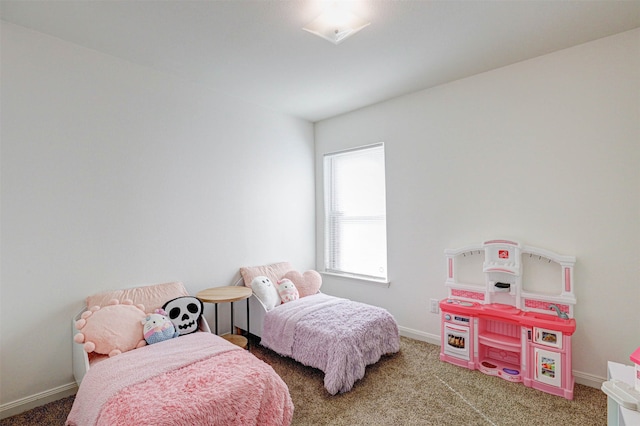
(337, 336)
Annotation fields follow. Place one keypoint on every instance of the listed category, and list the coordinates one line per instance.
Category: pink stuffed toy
(287, 291)
(307, 284)
(158, 327)
(111, 329)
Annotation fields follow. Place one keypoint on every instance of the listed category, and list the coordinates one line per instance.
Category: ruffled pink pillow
(307, 284)
(111, 329)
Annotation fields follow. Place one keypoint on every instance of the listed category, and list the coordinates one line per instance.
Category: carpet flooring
(412, 387)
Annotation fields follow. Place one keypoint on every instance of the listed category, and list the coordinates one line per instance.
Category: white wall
(545, 151)
(115, 176)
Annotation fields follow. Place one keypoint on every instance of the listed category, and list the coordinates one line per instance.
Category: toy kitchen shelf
(501, 329)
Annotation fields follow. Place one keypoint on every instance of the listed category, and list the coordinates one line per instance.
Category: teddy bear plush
(158, 327)
(287, 291)
(111, 329)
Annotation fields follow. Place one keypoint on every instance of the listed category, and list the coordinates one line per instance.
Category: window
(355, 213)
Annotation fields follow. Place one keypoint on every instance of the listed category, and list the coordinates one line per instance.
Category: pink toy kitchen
(510, 314)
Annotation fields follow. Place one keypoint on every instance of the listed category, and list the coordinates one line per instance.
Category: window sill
(382, 283)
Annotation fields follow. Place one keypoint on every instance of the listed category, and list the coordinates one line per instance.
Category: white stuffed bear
(287, 291)
(266, 292)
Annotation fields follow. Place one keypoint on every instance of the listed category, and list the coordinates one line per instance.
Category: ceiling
(257, 51)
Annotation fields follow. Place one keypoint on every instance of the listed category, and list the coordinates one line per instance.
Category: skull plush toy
(185, 313)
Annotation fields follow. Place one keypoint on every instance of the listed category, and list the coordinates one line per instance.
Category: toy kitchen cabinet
(510, 314)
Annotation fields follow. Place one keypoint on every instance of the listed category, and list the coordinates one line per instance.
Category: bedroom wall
(115, 176)
(545, 151)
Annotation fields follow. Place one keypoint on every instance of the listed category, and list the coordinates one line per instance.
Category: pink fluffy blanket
(197, 379)
(338, 336)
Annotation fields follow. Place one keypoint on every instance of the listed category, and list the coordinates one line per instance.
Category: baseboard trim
(588, 379)
(24, 404)
(419, 335)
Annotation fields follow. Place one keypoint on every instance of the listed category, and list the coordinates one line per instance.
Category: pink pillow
(152, 296)
(274, 272)
(111, 329)
(307, 284)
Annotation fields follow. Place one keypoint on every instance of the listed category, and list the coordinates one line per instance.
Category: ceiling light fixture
(336, 24)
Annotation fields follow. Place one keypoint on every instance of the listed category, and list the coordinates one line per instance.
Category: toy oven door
(456, 340)
(548, 367)
(545, 337)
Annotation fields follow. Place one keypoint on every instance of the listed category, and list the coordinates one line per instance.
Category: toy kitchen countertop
(509, 313)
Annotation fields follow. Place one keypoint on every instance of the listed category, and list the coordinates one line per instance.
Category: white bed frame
(81, 358)
(257, 311)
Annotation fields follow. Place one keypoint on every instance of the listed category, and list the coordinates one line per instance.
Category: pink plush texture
(287, 291)
(198, 379)
(338, 336)
(112, 329)
(307, 284)
(152, 296)
(274, 272)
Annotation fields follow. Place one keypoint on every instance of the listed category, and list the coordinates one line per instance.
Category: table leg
(216, 309)
(232, 330)
(248, 322)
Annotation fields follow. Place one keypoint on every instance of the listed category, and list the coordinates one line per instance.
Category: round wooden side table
(228, 294)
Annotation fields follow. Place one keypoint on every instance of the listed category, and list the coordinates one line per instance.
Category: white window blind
(355, 212)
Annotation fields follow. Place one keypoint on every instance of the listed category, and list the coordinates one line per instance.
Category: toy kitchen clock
(508, 323)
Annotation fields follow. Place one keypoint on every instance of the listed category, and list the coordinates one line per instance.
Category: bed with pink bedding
(338, 336)
(193, 379)
(198, 379)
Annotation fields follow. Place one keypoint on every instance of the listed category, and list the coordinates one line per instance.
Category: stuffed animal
(287, 291)
(266, 292)
(185, 313)
(111, 329)
(307, 283)
(158, 327)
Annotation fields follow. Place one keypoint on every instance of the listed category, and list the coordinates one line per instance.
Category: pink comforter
(197, 379)
(338, 336)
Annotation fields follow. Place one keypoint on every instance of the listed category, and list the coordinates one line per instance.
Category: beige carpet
(412, 387)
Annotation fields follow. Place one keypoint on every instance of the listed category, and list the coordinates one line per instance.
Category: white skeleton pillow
(184, 312)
